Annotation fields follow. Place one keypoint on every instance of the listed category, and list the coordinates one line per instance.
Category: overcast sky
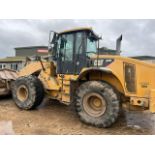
(138, 35)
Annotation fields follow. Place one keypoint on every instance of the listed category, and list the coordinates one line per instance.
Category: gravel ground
(54, 119)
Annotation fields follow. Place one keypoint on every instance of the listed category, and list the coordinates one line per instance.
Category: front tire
(97, 104)
(27, 92)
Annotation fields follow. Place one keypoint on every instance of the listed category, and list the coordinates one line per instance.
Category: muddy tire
(97, 104)
(27, 92)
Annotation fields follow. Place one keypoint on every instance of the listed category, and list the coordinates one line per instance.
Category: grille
(130, 76)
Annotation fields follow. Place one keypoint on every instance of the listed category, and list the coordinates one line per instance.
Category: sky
(138, 35)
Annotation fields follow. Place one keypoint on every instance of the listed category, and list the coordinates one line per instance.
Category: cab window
(65, 47)
(79, 43)
(69, 47)
(91, 46)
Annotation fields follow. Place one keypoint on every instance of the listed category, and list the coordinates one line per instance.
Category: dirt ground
(54, 118)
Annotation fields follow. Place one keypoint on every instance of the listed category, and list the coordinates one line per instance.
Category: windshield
(91, 47)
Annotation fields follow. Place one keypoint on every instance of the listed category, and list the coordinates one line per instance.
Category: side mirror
(52, 40)
(50, 47)
(52, 35)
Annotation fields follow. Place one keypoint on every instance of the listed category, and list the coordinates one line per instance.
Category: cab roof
(81, 29)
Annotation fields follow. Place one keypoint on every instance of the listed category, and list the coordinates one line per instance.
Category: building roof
(144, 57)
(12, 59)
(30, 47)
(104, 50)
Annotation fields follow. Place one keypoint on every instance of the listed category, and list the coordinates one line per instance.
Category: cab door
(80, 52)
(71, 53)
(65, 54)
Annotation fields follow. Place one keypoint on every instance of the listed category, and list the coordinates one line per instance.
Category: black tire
(34, 92)
(104, 91)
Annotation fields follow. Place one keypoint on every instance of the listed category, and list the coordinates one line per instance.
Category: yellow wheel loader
(76, 73)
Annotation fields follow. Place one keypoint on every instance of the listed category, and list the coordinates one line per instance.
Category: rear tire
(97, 104)
(27, 92)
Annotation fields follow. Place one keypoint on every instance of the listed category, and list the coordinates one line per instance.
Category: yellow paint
(145, 73)
(31, 68)
(152, 100)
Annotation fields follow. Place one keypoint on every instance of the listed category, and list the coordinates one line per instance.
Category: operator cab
(73, 49)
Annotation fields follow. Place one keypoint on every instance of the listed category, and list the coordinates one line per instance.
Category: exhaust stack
(118, 45)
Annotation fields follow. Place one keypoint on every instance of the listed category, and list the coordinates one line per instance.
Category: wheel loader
(76, 73)
(6, 77)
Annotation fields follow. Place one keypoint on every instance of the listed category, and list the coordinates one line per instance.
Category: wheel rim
(22, 93)
(94, 104)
